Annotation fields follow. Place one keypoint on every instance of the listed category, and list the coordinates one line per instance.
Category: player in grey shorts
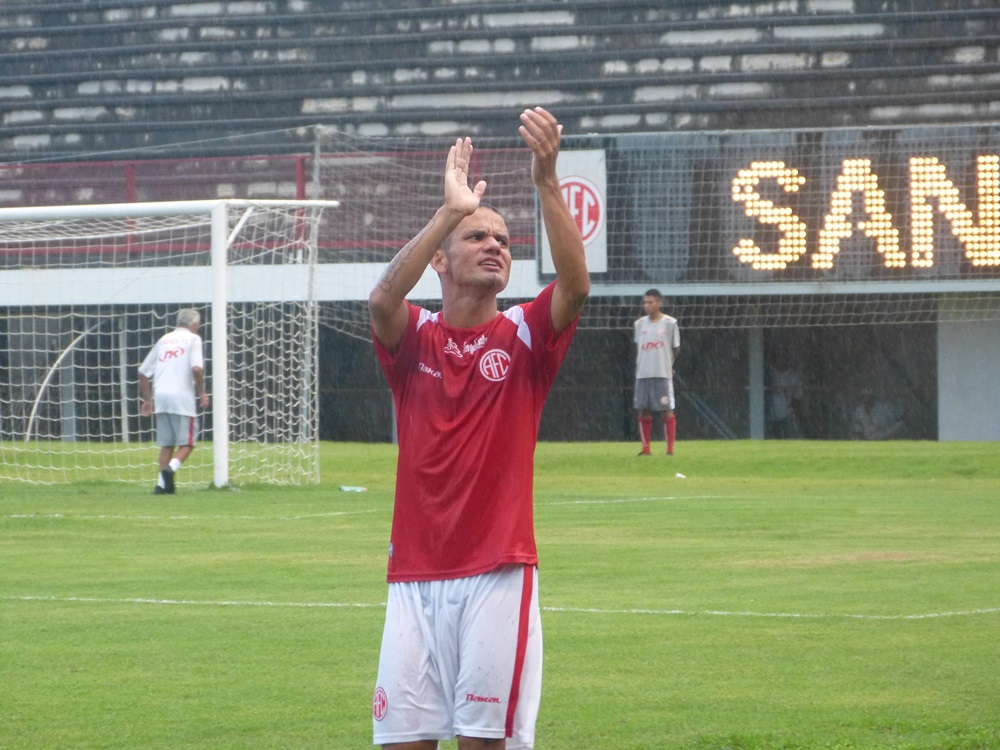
(658, 342)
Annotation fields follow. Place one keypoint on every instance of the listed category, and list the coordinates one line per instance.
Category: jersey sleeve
(551, 346)
(394, 361)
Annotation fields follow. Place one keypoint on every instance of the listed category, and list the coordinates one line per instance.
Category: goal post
(85, 291)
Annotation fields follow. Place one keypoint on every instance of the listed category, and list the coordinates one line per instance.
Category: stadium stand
(101, 76)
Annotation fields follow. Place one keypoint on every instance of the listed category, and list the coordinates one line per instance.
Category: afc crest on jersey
(494, 365)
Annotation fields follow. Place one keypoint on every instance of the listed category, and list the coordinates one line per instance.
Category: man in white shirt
(658, 342)
(172, 377)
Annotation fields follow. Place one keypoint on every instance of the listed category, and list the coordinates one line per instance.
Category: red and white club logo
(586, 203)
(493, 365)
(380, 704)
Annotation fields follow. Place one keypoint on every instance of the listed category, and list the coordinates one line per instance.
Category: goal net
(853, 254)
(87, 291)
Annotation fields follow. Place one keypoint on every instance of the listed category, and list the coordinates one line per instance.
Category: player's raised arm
(542, 133)
(387, 301)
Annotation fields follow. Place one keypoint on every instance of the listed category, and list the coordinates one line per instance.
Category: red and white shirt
(655, 342)
(468, 405)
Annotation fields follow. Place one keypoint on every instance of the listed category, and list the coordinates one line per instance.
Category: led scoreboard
(889, 205)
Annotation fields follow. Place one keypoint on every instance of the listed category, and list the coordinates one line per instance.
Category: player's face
(478, 252)
(650, 305)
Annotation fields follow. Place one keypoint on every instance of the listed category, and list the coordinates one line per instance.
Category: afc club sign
(583, 182)
(586, 204)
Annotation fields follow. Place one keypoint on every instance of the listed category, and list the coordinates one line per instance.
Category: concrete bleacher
(83, 79)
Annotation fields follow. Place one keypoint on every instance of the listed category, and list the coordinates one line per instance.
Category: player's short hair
(654, 293)
(188, 316)
(491, 207)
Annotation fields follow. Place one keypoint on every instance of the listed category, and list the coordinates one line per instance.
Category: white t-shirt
(655, 341)
(168, 365)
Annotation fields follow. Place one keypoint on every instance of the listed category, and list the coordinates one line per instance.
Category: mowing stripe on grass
(572, 610)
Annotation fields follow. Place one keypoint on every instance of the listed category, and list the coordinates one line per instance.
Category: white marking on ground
(571, 610)
(192, 602)
(109, 517)
(614, 500)
(789, 615)
(119, 517)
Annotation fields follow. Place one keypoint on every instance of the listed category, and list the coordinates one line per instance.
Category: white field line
(192, 602)
(571, 610)
(613, 501)
(121, 517)
(108, 517)
(788, 615)
(577, 610)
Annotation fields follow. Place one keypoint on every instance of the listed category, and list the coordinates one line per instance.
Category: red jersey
(468, 405)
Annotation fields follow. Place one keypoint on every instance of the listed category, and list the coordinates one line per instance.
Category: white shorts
(461, 657)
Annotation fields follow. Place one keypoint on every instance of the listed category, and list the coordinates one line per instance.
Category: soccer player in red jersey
(461, 649)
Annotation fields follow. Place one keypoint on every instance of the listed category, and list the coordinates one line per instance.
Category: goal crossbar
(162, 208)
(96, 246)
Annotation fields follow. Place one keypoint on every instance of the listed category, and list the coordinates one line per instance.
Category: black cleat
(168, 480)
(158, 490)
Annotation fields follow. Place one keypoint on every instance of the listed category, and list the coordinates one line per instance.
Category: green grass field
(781, 595)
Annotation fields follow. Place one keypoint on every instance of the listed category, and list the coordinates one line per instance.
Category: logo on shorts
(473, 698)
(380, 704)
(494, 365)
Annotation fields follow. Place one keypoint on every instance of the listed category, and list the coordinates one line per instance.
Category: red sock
(645, 430)
(670, 423)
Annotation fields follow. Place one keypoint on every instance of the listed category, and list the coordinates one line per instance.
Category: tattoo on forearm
(392, 270)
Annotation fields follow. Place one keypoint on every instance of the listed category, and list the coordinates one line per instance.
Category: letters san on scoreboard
(878, 204)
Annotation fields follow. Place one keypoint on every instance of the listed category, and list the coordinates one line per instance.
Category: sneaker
(643, 453)
(168, 480)
(158, 490)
